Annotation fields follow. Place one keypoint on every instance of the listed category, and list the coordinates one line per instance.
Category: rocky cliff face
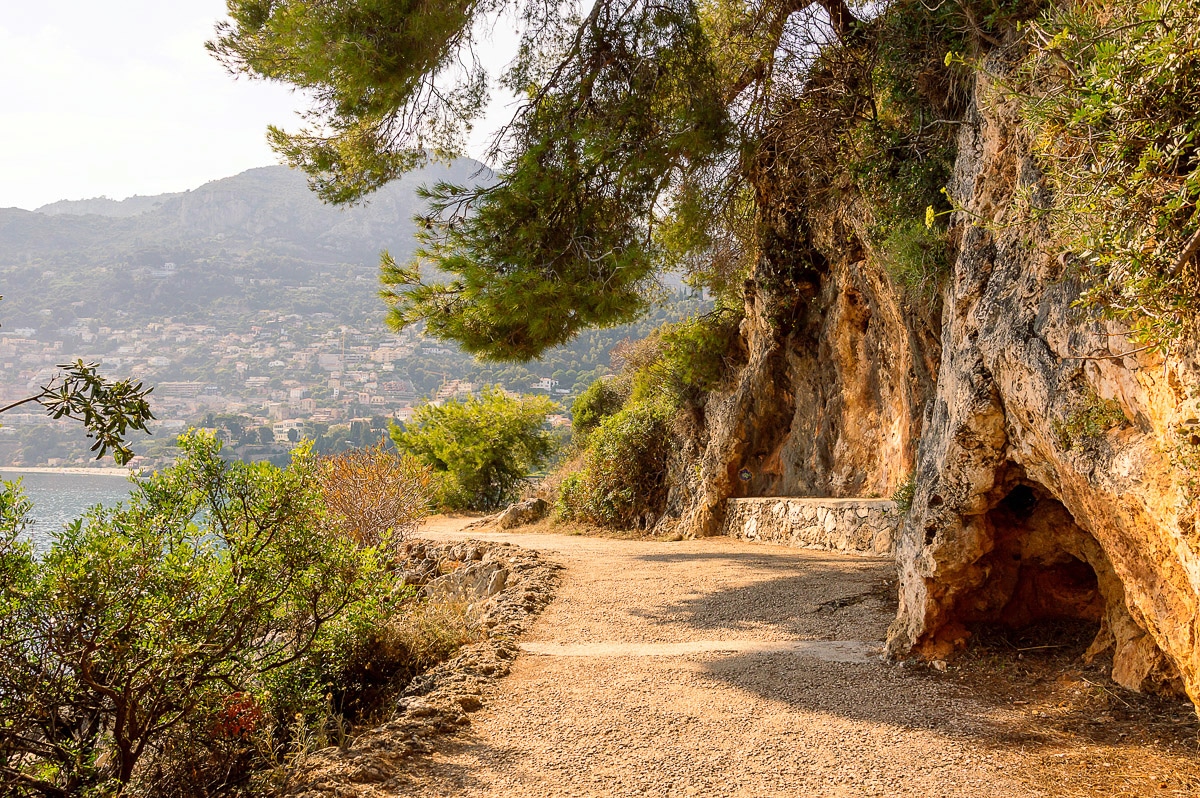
(840, 367)
(1023, 510)
(1047, 452)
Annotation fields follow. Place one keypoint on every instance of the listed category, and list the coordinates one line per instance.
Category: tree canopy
(632, 113)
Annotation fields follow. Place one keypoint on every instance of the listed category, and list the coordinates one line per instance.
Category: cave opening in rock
(1042, 567)
(1046, 581)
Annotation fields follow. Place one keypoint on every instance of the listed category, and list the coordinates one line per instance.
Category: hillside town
(296, 376)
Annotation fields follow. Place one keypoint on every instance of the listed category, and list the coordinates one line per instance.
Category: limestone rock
(848, 386)
(521, 513)
(1015, 517)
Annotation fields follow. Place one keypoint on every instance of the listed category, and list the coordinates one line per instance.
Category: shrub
(1114, 102)
(14, 510)
(597, 402)
(481, 449)
(375, 496)
(696, 355)
(621, 479)
(147, 623)
(1088, 420)
(363, 658)
(682, 362)
(904, 494)
(916, 258)
(624, 472)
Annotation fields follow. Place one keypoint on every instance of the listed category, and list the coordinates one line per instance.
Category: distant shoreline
(87, 472)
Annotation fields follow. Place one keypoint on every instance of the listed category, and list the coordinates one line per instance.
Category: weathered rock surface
(508, 586)
(1020, 514)
(839, 368)
(857, 526)
(523, 512)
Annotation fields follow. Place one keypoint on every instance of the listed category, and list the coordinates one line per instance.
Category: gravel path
(716, 667)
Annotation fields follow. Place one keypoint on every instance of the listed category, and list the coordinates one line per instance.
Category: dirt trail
(715, 667)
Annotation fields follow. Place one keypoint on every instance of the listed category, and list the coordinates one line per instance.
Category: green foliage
(686, 360)
(901, 153)
(379, 76)
(599, 401)
(904, 493)
(624, 425)
(889, 119)
(14, 509)
(623, 479)
(482, 448)
(710, 233)
(617, 103)
(916, 258)
(107, 409)
(559, 244)
(1117, 119)
(143, 623)
(1088, 420)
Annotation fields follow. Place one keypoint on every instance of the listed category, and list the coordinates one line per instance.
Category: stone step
(856, 526)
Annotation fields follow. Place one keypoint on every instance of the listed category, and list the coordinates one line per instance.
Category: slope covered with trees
(241, 285)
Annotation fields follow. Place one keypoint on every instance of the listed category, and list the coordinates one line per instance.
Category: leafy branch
(108, 410)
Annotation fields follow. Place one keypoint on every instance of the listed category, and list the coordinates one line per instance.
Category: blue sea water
(59, 498)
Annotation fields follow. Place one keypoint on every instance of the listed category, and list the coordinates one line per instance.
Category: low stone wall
(858, 526)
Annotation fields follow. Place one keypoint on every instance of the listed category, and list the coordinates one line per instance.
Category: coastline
(72, 471)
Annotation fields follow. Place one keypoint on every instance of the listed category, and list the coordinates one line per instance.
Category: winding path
(716, 667)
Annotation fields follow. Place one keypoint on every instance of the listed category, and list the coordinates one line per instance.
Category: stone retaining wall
(858, 526)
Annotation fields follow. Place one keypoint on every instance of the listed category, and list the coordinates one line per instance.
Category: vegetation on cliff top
(1112, 94)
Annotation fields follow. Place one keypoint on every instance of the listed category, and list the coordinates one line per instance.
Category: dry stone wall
(859, 526)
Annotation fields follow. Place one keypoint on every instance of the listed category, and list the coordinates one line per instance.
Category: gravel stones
(507, 586)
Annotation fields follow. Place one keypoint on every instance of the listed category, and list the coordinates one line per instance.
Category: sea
(62, 496)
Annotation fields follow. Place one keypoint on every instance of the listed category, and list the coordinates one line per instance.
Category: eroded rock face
(831, 401)
(1020, 514)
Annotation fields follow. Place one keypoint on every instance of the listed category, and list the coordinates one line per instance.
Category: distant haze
(120, 98)
(96, 257)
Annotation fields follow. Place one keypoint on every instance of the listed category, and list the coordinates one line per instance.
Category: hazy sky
(120, 97)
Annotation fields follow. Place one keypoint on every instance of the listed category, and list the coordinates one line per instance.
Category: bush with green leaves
(624, 469)
(905, 492)
(624, 425)
(194, 621)
(598, 401)
(482, 449)
(1113, 98)
(688, 359)
(1088, 419)
(916, 257)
